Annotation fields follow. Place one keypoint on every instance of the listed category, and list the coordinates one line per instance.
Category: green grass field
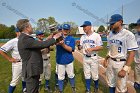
(5, 76)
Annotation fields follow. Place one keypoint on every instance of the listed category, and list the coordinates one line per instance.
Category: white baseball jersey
(90, 41)
(120, 43)
(45, 53)
(137, 54)
(11, 46)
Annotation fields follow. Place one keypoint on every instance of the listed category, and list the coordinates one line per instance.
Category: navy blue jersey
(62, 55)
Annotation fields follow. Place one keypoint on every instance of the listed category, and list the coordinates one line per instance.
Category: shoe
(24, 90)
(95, 90)
(73, 90)
(48, 89)
(88, 91)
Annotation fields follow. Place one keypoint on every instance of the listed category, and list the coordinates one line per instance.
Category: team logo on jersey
(88, 41)
(67, 42)
(118, 42)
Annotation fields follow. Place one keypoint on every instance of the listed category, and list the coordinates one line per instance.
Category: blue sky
(66, 10)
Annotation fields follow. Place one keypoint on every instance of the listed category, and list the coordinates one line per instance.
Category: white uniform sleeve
(7, 46)
(99, 41)
(131, 42)
(81, 41)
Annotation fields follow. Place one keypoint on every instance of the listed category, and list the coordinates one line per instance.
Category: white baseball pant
(65, 68)
(91, 67)
(16, 73)
(112, 75)
(46, 70)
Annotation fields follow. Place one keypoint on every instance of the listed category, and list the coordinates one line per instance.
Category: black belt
(46, 59)
(90, 55)
(115, 59)
(18, 60)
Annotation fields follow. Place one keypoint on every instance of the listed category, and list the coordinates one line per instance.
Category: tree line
(43, 24)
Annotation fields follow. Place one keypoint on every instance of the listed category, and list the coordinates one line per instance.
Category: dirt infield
(102, 70)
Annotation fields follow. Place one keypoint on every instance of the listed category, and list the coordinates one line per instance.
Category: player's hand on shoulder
(122, 73)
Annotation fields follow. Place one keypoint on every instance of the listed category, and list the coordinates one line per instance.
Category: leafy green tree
(131, 26)
(51, 20)
(10, 33)
(42, 24)
(3, 29)
(101, 29)
(7, 32)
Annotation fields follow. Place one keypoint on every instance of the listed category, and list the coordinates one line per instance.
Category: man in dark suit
(30, 52)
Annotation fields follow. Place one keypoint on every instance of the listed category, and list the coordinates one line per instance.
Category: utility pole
(107, 24)
(122, 10)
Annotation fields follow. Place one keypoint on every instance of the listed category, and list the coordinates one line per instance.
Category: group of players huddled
(123, 48)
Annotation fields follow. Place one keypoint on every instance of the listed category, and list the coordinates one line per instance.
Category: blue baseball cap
(17, 30)
(66, 27)
(138, 22)
(86, 23)
(59, 27)
(38, 32)
(115, 18)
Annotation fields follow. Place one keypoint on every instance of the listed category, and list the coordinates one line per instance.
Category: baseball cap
(86, 23)
(138, 22)
(66, 27)
(115, 18)
(17, 30)
(38, 32)
(59, 27)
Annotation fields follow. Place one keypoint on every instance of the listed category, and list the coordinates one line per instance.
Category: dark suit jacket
(30, 52)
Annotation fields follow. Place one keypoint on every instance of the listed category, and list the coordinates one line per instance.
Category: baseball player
(59, 28)
(64, 58)
(46, 62)
(11, 46)
(121, 50)
(91, 43)
(137, 59)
